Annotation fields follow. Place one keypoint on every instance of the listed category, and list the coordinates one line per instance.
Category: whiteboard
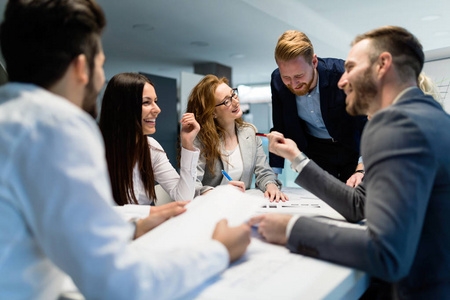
(439, 72)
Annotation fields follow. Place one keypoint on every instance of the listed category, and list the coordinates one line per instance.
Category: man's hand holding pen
(282, 146)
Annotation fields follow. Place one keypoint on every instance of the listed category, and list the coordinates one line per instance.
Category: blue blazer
(340, 125)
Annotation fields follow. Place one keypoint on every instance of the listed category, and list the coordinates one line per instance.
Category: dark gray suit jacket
(405, 198)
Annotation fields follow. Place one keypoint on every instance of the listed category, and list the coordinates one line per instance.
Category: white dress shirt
(56, 212)
(180, 188)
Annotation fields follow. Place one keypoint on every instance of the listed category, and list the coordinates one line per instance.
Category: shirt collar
(402, 93)
(316, 89)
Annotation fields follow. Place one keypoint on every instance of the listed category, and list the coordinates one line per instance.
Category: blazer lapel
(246, 147)
(224, 165)
(324, 91)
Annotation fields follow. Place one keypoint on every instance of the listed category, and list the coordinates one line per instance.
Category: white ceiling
(163, 35)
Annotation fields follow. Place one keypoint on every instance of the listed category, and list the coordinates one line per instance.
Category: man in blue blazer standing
(309, 108)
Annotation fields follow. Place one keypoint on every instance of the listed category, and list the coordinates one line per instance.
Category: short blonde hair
(292, 44)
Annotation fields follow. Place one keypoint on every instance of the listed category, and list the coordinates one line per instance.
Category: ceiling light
(237, 55)
(199, 44)
(430, 18)
(143, 27)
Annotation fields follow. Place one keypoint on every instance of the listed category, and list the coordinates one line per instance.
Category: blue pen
(226, 175)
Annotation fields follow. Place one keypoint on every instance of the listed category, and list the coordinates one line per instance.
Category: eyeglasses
(228, 100)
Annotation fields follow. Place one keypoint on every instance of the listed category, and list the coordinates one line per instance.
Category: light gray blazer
(254, 161)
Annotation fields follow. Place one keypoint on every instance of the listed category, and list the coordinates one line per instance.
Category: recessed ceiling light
(199, 44)
(237, 55)
(143, 27)
(430, 18)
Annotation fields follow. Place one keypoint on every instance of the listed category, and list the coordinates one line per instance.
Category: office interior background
(176, 42)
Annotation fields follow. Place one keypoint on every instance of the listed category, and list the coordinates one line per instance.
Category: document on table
(198, 222)
(301, 202)
(266, 272)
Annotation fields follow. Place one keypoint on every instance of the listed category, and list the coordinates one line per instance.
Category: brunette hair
(40, 38)
(125, 143)
(405, 48)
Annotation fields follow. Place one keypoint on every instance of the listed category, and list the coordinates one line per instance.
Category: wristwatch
(297, 164)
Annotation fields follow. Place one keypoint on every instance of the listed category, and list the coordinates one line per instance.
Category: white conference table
(270, 271)
(266, 271)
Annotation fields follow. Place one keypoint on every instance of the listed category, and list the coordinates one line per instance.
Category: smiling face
(150, 110)
(223, 113)
(359, 81)
(298, 75)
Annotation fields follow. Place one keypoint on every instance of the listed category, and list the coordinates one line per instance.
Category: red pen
(261, 134)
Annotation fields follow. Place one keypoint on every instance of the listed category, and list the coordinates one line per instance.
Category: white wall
(187, 83)
(439, 72)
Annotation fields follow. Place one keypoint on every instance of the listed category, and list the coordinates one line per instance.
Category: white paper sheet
(198, 222)
(301, 202)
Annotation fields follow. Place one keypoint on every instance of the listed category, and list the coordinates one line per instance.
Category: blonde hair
(428, 87)
(292, 44)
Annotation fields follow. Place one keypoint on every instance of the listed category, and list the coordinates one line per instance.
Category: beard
(305, 86)
(365, 91)
(90, 99)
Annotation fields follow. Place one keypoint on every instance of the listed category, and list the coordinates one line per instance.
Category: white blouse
(179, 187)
(235, 164)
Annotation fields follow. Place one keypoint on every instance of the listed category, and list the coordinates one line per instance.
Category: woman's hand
(238, 184)
(274, 194)
(189, 130)
(158, 215)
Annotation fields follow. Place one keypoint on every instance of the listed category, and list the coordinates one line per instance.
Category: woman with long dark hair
(135, 160)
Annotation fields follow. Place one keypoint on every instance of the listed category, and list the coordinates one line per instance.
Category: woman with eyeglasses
(227, 142)
(135, 160)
